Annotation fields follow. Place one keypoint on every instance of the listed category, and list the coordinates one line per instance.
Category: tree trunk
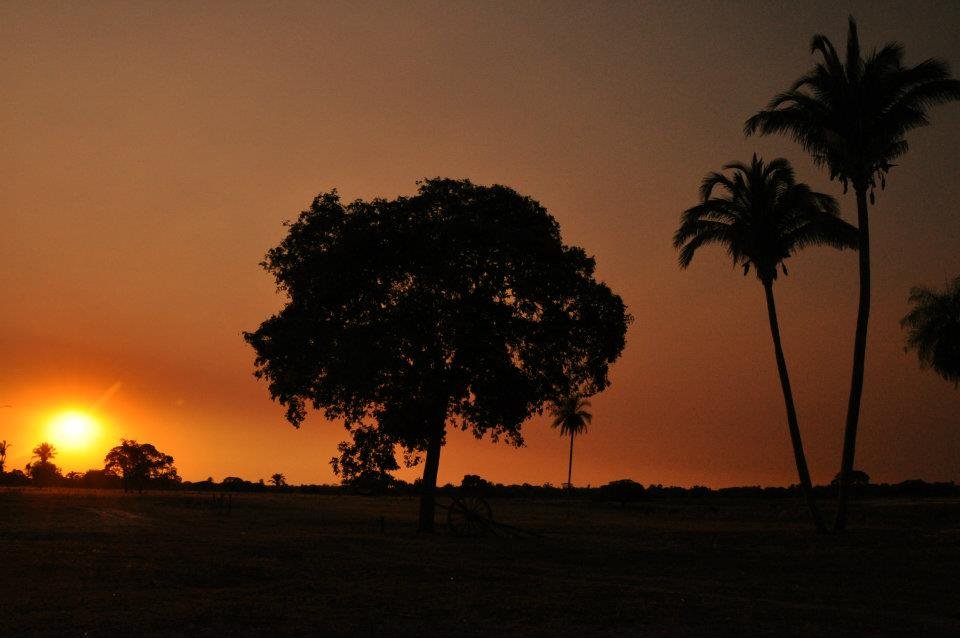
(428, 487)
(859, 361)
(792, 425)
(570, 464)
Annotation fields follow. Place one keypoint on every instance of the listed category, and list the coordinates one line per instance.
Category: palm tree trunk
(793, 426)
(859, 361)
(428, 487)
(570, 464)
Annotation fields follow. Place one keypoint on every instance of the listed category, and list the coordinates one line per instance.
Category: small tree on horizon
(459, 306)
(570, 416)
(368, 461)
(43, 472)
(278, 480)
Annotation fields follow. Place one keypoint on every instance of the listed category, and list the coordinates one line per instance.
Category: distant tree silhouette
(624, 491)
(15, 478)
(278, 479)
(570, 416)
(762, 216)
(852, 115)
(367, 461)
(234, 484)
(474, 484)
(101, 479)
(43, 472)
(933, 329)
(4, 446)
(140, 464)
(457, 305)
(44, 452)
(858, 478)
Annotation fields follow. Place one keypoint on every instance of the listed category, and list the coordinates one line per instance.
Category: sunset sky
(151, 152)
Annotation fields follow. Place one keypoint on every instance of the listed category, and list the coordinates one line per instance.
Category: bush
(624, 491)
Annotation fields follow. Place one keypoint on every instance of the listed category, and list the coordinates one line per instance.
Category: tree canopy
(459, 304)
(852, 113)
(140, 464)
(761, 215)
(44, 452)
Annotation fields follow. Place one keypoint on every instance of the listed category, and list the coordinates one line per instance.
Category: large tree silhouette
(933, 329)
(762, 216)
(852, 115)
(571, 417)
(139, 464)
(457, 306)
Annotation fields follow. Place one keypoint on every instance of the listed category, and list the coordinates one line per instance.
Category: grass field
(88, 563)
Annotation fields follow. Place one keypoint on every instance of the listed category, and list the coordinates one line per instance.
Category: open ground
(101, 563)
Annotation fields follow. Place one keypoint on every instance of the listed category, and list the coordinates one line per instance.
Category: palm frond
(762, 219)
(851, 115)
(570, 415)
(854, 62)
(933, 329)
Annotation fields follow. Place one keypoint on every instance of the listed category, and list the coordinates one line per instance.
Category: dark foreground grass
(87, 563)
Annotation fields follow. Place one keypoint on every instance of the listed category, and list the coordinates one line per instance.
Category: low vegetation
(676, 562)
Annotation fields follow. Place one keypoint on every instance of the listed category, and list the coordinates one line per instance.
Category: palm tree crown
(570, 415)
(761, 215)
(934, 329)
(44, 452)
(851, 115)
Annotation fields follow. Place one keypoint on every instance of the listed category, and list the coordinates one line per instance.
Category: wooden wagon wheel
(469, 516)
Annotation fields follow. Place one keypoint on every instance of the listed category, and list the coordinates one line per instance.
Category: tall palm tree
(571, 417)
(4, 446)
(762, 216)
(852, 115)
(44, 452)
(934, 329)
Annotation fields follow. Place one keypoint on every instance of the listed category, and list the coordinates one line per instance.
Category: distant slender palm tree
(852, 116)
(571, 417)
(278, 479)
(4, 446)
(934, 329)
(44, 452)
(762, 216)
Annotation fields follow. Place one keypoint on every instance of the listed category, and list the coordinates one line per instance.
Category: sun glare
(73, 430)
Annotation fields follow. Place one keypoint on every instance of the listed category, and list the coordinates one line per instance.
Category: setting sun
(73, 430)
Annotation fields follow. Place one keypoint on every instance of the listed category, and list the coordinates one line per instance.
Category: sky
(151, 152)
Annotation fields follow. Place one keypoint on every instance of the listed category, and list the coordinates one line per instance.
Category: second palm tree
(761, 215)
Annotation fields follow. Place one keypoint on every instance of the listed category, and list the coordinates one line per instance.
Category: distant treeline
(624, 490)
